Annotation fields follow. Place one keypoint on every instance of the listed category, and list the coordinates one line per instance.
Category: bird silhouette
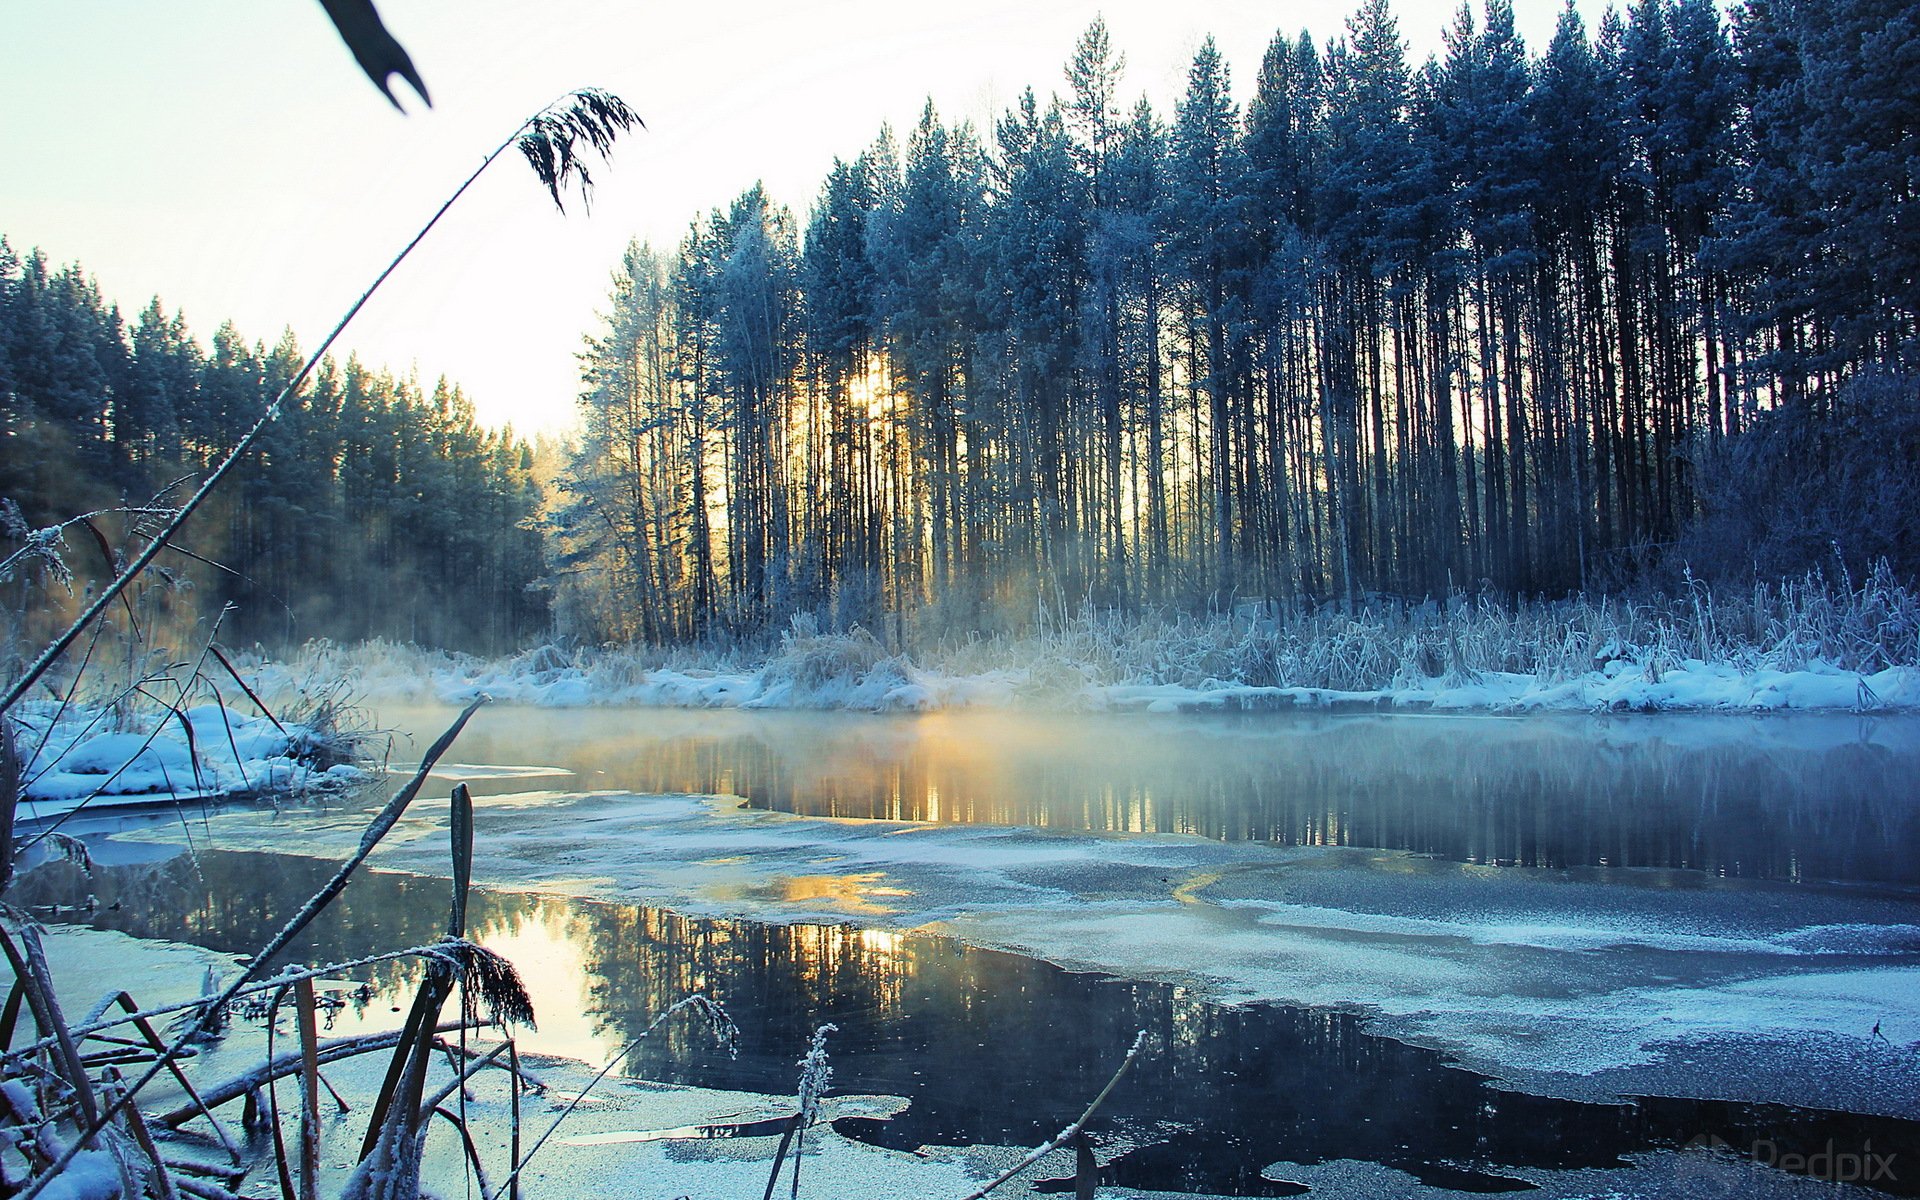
(375, 49)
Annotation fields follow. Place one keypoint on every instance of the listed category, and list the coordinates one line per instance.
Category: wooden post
(303, 1007)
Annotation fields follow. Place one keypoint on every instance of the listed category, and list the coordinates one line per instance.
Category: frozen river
(1473, 953)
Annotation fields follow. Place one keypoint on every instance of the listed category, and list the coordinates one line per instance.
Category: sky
(229, 157)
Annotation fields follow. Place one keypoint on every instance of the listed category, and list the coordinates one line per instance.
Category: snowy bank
(897, 685)
(1795, 646)
(76, 756)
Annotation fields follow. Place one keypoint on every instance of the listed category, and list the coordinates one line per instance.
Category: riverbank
(1801, 646)
(1791, 647)
(96, 757)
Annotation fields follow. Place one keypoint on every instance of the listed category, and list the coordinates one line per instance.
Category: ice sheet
(1547, 979)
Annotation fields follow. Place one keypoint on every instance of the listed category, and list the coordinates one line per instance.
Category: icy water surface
(989, 1048)
(1800, 797)
(1480, 954)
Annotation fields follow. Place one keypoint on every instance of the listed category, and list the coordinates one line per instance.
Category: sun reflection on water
(853, 894)
(545, 945)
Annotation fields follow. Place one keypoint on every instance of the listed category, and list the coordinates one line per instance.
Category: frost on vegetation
(1809, 643)
(815, 1074)
(828, 670)
(79, 754)
(38, 547)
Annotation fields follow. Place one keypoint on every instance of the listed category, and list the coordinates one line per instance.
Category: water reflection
(988, 1047)
(1786, 797)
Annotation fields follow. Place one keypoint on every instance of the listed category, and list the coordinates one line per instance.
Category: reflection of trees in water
(993, 1048)
(233, 901)
(1544, 793)
(640, 961)
(989, 1047)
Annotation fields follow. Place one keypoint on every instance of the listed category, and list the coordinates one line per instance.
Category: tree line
(376, 508)
(1478, 323)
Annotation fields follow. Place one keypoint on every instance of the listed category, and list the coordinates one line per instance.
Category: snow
(92, 1175)
(110, 752)
(72, 762)
(895, 684)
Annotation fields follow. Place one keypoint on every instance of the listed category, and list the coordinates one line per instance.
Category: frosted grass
(1798, 644)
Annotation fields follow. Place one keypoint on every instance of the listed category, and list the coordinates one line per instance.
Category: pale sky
(229, 156)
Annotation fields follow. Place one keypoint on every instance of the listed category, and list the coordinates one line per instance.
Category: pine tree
(1205, 167)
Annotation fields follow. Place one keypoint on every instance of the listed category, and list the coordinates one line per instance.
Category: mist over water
(1800, 798)
(1488, 953)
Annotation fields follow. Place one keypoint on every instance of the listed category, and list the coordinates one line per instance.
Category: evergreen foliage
(1500, 321)
(375, 509)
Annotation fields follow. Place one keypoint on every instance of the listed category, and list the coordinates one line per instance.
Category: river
(1485, 953)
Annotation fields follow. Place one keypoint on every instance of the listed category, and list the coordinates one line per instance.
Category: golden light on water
(882, 941)
(549, 954)
(852, 894)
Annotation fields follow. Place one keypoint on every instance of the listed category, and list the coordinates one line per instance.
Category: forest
(374, 508)
(1566, 385)
(1638, 305)
(1608, 316)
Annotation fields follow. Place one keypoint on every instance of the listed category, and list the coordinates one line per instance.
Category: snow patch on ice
(1517, 971)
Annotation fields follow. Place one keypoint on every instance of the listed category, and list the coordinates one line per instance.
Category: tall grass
(1864, 626)
(1849, 625)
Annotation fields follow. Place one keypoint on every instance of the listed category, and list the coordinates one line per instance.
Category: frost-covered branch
(286, 1064)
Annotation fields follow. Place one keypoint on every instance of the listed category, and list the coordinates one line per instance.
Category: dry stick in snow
(309, 1090)
(390, 1154)
(35, 980)
(97, 1023)
(159, 1046)
(287, 1064)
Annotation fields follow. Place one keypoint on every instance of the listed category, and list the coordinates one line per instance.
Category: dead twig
(1070, 1132)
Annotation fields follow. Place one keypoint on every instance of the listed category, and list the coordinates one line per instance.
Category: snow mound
(204, 752)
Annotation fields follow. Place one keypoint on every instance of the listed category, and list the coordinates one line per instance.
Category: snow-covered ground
(74, 756)
(899, 686)
(895, 684)
(1797, 646)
